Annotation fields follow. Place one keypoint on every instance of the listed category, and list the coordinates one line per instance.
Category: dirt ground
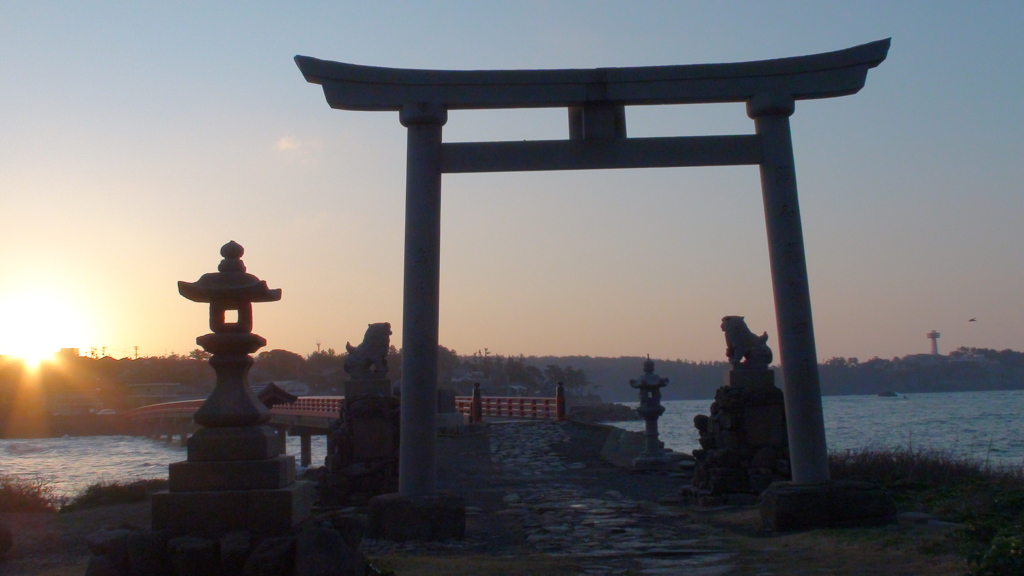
(892, 551)
(54, 545)
(50, 544)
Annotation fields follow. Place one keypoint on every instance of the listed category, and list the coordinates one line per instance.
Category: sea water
(982, 425)
(70, 464)
(986, 426)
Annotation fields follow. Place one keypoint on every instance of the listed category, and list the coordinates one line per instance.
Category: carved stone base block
(221, 511)
(232, 475)
(238, 443)
(787, 507)
(380, 388)
(234, 479)
(398, 518)
(744, 378)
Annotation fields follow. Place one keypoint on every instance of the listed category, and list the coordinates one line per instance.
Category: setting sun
(34, 326)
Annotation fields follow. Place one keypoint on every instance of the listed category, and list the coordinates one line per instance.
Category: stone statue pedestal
(362, 446)
(744, 444)
(359, 389)
(745, 378)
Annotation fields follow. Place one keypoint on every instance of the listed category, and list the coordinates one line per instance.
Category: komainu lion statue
(745, 350)
(369, 360)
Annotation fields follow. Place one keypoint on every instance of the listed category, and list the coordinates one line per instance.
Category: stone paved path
(541, 486)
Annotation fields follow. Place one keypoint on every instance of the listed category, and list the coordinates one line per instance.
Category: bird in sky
(973, 320)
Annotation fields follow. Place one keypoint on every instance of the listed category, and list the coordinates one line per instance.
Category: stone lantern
(654, 456)
(235, 477)
(232, 403)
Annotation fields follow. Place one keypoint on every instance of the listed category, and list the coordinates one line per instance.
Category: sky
(137, 138)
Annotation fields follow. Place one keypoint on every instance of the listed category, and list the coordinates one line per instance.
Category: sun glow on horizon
(36, 325)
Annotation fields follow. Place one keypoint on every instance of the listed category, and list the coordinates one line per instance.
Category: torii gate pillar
(417, 461)
(799, 359)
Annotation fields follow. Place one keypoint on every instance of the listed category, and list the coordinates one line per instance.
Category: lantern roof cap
(649, 379)
(230, 283)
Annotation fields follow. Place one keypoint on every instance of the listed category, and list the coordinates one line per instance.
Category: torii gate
(596, 101)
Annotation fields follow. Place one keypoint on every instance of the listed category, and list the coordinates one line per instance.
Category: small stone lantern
(236, 476)
(654, 456)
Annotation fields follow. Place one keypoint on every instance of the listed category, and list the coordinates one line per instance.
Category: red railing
(510, 407)
(330, 406)
(321, 406)
(317, 406)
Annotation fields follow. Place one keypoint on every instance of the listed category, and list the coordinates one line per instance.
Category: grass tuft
(985, 499)
(32, 494)
(110, 492)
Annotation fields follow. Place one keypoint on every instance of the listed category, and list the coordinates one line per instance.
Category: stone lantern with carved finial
(235, 477)
(230, 289)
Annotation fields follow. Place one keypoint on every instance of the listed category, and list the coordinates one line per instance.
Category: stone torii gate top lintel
(369, 88)
(596, 101)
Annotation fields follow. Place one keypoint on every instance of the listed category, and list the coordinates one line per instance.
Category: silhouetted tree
(199, 354)
(447, 362)
(281, 364)
(325, 362)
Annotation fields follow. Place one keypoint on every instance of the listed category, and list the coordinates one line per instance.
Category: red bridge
(311, 416)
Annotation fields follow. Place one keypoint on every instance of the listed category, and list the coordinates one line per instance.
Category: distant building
(293, 387)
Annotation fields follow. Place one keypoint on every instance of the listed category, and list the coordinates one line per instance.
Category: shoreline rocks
(604, 412)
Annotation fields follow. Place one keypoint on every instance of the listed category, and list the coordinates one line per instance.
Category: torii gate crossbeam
(596, 101)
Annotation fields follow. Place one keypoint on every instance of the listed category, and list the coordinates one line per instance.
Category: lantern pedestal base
(234, 479)
(270, 474)
(221, 511)
(234, 443)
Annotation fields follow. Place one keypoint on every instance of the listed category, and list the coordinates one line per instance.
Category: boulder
(112, 545)
(323, 552)
(273, 557)
(109, 542)
(234, 549)
(102, 566)
(147, 553)
(194, 556)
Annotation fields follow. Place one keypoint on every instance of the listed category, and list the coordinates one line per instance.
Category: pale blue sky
(136, 138)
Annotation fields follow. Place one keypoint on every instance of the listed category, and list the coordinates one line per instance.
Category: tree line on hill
(110, 381)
